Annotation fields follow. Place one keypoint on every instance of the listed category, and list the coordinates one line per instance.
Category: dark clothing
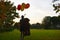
(24, 24)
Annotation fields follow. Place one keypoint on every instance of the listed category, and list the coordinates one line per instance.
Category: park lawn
(36, 34)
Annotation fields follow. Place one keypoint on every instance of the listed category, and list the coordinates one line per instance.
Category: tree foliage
(51, 22)
(7, 15)
(46, 22)
(36, 26)
(56, 6)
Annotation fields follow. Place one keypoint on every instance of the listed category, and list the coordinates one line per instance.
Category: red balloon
(27, 5)
(19, 7)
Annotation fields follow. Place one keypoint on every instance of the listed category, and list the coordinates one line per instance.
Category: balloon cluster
(23, 6)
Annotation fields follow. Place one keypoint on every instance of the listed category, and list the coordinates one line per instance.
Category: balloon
(19, 7)
(23, 6)
(27, 5)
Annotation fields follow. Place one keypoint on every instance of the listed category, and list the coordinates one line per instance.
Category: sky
(37, 11)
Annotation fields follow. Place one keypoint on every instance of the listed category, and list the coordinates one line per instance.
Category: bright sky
(37, 11)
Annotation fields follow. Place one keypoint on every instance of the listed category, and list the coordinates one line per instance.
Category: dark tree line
(51, 22)
(48, 23)
(36, 26)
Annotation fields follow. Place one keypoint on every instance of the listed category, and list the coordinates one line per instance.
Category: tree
(56, 6)
(54, 21)
(55, 1)
(57, 9)
(36, 26)
(7, 15)
(58, 19)
(46, 22)
(17, 25)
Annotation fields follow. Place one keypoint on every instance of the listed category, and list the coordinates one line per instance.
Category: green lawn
(35, 35)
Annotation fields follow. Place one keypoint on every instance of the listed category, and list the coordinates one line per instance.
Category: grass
(46, 34)
(36, 34)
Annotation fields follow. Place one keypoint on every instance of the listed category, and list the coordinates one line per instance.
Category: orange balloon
(23, 6)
